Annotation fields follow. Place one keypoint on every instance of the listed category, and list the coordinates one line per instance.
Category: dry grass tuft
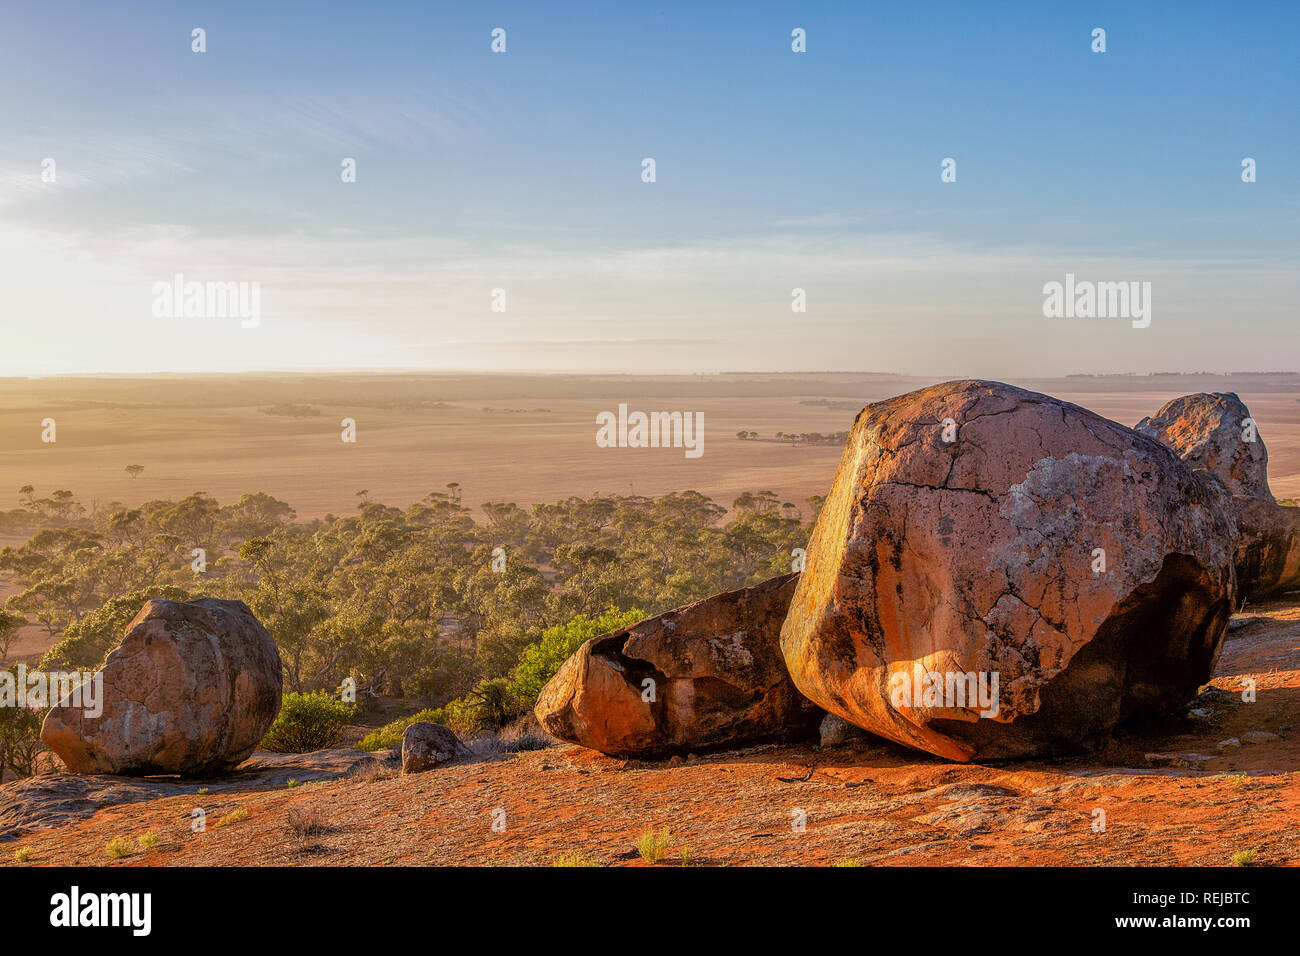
(652, 846)
(234, 816)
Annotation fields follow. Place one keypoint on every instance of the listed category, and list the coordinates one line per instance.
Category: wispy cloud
(379, 298)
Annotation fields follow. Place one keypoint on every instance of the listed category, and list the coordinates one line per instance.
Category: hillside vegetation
(427, 601)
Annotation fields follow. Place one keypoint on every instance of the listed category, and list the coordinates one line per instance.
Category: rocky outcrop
(191, 690)
(55, 800)
(704, 676)
(1216, 434)
(997, 573)
(425, 745)
(1214, 431)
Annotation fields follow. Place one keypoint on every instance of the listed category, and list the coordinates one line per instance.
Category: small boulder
(836, 731)
(1258, 737)
(191, 690)
(425, 745)
(703, 676)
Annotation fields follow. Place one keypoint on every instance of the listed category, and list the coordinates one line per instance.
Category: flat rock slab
(51, 800)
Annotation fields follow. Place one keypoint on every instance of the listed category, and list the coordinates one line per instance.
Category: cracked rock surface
(191, 690)
(716, 672)
(980, 556)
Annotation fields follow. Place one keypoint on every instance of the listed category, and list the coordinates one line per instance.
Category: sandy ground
(870, 803)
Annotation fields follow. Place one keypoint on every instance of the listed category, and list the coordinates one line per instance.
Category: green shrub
(539, 661)
(118, 847)
(148, 840)
(23, 854)
(494, 702)
(489, 706)
(20, 739)
(307, 722)
(390, 735)
(460, 715)
(1243, 858)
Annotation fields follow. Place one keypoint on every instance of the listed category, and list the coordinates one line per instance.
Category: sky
(523, 171)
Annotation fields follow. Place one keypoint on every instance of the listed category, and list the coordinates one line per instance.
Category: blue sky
(775, 170)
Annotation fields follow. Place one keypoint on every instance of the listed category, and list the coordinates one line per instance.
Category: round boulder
(1214, 431)
(426, 745)
(997, 573)
(191, 690)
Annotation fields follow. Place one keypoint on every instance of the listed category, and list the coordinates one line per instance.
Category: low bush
(307, 722)
(539, 661)
(20, 739)
(390, 735)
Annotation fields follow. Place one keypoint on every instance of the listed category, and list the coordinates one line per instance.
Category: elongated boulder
(191, 690)
(997, 573)
(703, 676)
(1214, 431)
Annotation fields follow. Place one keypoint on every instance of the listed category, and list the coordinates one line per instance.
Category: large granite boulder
(983, 538)
(1214, 431)
(191, 690)
(703, 676)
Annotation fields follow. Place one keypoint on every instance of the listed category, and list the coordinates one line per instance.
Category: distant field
(228, 435)
(207, 433)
